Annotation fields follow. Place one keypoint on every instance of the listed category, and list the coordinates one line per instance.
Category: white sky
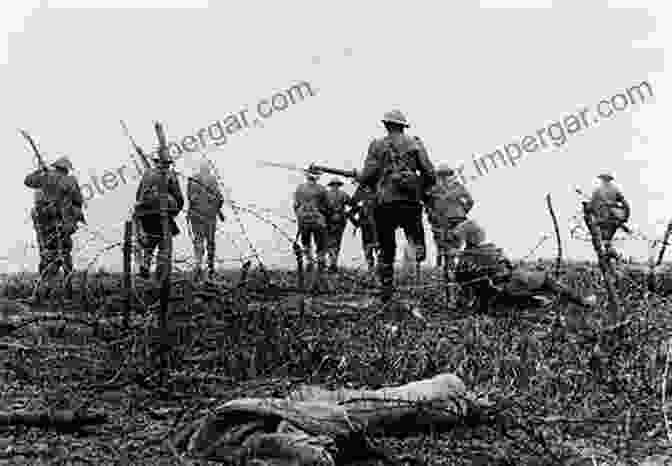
(470, 78)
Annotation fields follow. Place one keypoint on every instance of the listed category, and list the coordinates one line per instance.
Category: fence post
(128, 292)
(298, 252)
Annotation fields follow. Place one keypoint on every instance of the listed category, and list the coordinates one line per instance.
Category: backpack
(150, 198)
(309, 216)
(398, 170)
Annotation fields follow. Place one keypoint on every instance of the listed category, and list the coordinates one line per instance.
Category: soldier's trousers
(404, 215)
(203, 230)
(152, 238)
(369, 241)
(55, 249)
(389, 217)
(318, 235)
(334, 240)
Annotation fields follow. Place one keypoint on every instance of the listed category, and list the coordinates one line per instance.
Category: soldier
(312, 209)
(484, 268)
(339, 208)
(448, 204)
(57, 212)
(148, 211)
(398, 167)
(611, 210)
(205, 202)
(364, 204)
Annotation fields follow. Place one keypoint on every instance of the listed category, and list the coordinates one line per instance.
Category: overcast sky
(470, 79)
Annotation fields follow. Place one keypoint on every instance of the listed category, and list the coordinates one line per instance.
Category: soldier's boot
(386, 277)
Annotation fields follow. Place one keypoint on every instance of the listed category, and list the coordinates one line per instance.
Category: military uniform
(56, 214)
(362, 217)
(339, 211)
(311, 208)
(398, 167)
(488, 272)
(611, 211)
(148, 213)
(205, 202)
(448, 203)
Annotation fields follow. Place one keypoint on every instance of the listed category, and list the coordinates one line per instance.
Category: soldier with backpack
(339, 208)
(148, 211)
(611, 209)
(488, 273)
(311, 208)
(205, 202)
(398, 168)
(58, 211)
(362, 217)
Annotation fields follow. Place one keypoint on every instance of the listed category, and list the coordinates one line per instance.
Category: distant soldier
(448, 204)
(362, 217)
(312, 210)
(612, 211)
(205, 202)
(488, 272)
(57, 212)
(398, 167)
(339, 209)
(148, 211)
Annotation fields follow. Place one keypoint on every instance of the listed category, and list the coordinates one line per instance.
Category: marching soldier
(397, 165)
(57, 212)
(611, 210)
(485, 268)
(311, 208)
(205, 202)
(448, 204)
(339, 208)
(362, 217)
(148, 211)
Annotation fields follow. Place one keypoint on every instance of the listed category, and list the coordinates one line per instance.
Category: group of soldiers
(397, 183)
(58, 212)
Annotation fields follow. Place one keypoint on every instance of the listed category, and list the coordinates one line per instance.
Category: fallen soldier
(314, 426)
(485, 272)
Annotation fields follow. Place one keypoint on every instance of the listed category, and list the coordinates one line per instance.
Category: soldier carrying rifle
(611, 211)
(311, 208)
(364, 205)
(340, 210)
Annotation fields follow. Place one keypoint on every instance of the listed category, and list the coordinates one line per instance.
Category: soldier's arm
(425, 165)
(77, 198)
(36, 180)
(467, 200)
(626, 204)
(371, 172)
(176, 192)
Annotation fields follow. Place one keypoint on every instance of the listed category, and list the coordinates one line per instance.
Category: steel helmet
(335, 182)
(62, 162)
(470, 232)
(605, 177)
(395, 116)
(444, 169)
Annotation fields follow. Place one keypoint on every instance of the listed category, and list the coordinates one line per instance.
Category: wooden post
(128, 292)
(298, 252)
(605, 266)
(166, 249)
(558, 261)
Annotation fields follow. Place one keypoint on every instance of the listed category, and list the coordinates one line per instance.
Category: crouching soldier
(362, 217)
(57, 212)
(611, 210)
(489, 273)
(205, 202)
(339, 208)
(148, 212)
(312, 209)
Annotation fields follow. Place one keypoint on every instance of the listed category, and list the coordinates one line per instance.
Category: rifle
(665, 238)
(40, 160)
(138, 149)
(332, 171)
